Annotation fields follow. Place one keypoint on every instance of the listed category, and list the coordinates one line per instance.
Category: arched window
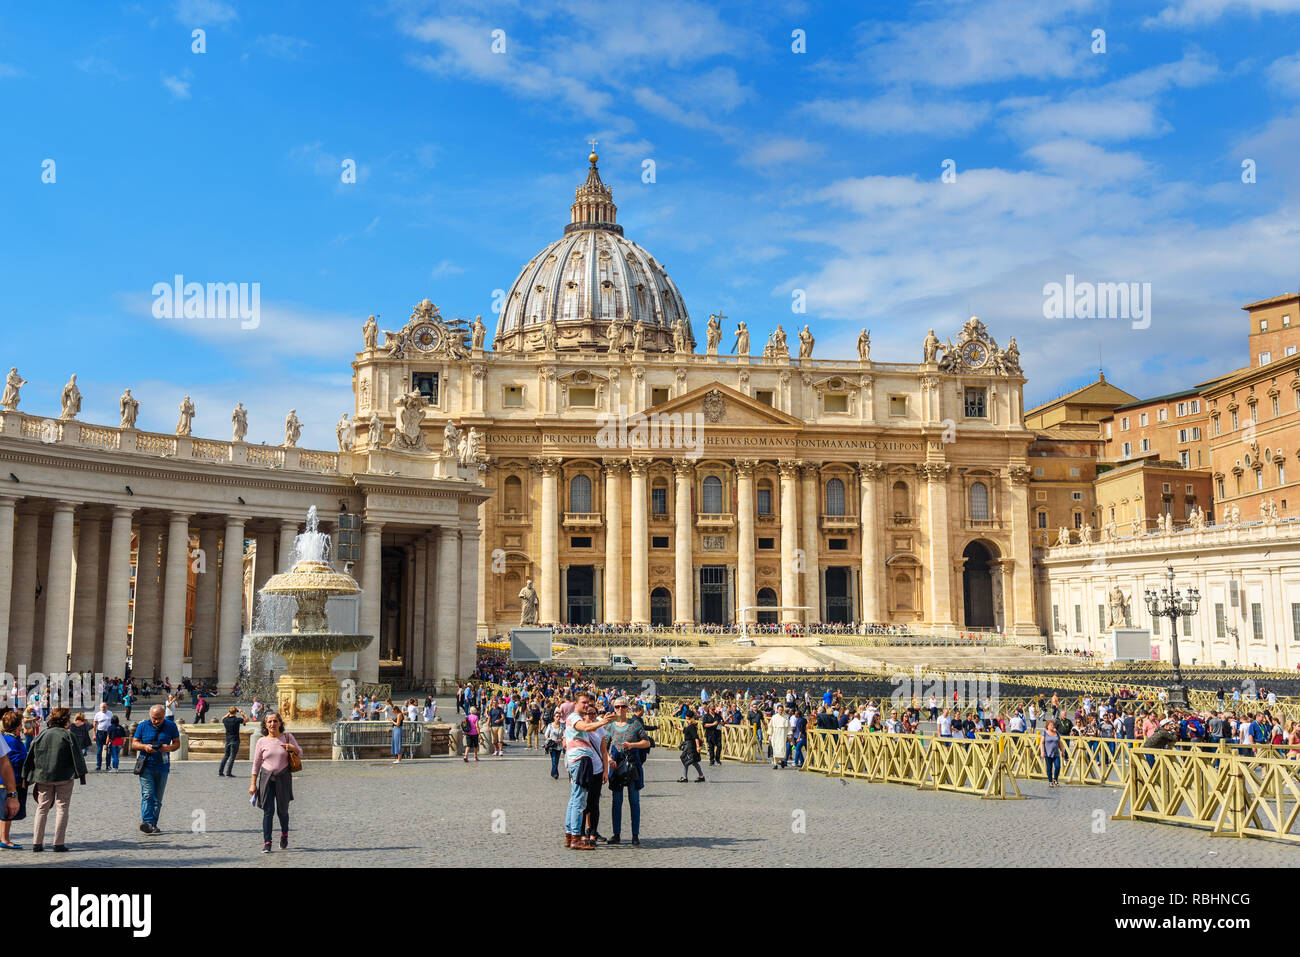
(514, 494)
(712, 495)
(979, 502)
(898, 499)
(834, 497)
(580, 494)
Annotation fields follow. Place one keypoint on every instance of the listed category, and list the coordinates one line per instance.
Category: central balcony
(583, 519)
(715, 520)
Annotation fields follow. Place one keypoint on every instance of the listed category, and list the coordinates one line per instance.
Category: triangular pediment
(723, 406)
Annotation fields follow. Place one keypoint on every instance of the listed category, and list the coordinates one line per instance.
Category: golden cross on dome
(593, 144)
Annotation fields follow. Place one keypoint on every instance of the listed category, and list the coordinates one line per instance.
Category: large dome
(593, 276)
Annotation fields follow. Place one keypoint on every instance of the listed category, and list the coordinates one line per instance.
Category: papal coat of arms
(715, 406)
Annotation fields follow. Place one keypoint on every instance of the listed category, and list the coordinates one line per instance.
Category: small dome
(591, 277)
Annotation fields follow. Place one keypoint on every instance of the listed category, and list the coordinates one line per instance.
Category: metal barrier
(1231, 795)
(962, 765)
(352, 736)
(740, 742)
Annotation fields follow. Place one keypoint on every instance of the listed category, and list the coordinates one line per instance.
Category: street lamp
(1173, 604)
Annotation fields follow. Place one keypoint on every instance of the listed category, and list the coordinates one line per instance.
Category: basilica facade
(642, 476)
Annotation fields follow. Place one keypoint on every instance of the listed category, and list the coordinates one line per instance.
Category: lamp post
(1169, 602)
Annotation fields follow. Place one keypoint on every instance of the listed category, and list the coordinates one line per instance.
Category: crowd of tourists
(754, 628)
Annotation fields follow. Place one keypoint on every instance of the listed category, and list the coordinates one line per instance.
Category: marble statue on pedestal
(185, 424)
(931, 347)
(71, 400)
(292, 429)
(375, 432)
(370, 333)
(527, 605)
(713, 336)
(742, 340)
(239, 418)
(864, 346)
(129, 406)
(13, 384)
(806, 343)
(478, 332)
(345, 433)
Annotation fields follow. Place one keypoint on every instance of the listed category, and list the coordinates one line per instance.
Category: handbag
(295, 762)
(140, 758)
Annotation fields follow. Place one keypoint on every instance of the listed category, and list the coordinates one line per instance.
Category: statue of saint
(71, 400)
(129, 407)
(864, 346)
(240, 420)
(472, 445)
(478, 332)
(742, 340)
(638, 337)
(931, 347)
(450, 438)
(375, 433)
(1011, 358)
(714, 336)
(345, 433)
(185, 424)
(1085, 535)
(679, 335)
(13, 383)
(527, 605)
(1117, 608)
(805, 343)
(370, 333)
(292, 429)
(613, 334)
(779, 341)
(1063, 536)
(550, 334)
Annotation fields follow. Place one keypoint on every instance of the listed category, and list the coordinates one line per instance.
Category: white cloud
(899, 112)
(1186, 13)
(177, 87)
(781, 152)
(10, 70)
(446, 268)
(98, 66)
(1093, 119)
(202, 13)
(1284, 73)
(1087, 161)
(280, 46)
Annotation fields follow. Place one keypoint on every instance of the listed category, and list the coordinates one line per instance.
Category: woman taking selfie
(272, 782)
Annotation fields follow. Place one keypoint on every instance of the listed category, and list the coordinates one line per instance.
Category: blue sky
(774, 171)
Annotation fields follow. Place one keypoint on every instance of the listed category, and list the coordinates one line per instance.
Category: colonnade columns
(372, 569)
(548, 595)
(117, 594)
(639, 579)
(790, 564)
(203, 647)
(1022, 620)
(22, 609)
(58, 591)
(467, 646)
(263, 565)
(936, 475)
(145, 635)
(745, 594)
(447, 646)
(7, 504)
(175, 588)
(684, 591)
(232, 603)
(85, 600)
(613, 611)
(869, 474)
(811, 535)
(419, 610)
(288, 532)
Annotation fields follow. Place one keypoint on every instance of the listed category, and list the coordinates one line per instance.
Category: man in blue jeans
(578, 745)
(156, 738)
(103, 719)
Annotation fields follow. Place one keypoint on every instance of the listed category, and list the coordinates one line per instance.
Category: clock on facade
(974, 354)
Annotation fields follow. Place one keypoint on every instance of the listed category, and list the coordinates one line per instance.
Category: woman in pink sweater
(272, 782)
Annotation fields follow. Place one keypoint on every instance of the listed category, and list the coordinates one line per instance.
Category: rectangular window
(659, 501)
(1263, 325)
(1257, 621)
(1187, 626)
(898, 405)
(1042, 519)
(1196, 433)
(1056, 618)
(1220, 488)
(426, 383)
(1166, 487)
(976, 400)
(1196, 406)
(1265, 358)
(1188, 490)
(658, 396)
(513, 397)
(1276, 410)
(1078, 519)
(1074, 473)
(837, 403)
(838, 544)
(1101, 617)
(1078, 620)
(1038, 471)
(766, 544)
(764, 396)
(1123, 424)
(1234, 420)
(1146, 445)
(1162, 415)
(1108, 424)
(1143, 419)
(1290, 350)
(1295, 621)
(1182, 408)
(1076, 496)
(1128, 450)
(659, 541)
(764, 501)
(580, 541)
(1286, 321)
(584, 398)
(1216, 418)
(1220, 621)
(1259, 478)
(1182, 435)
(1281, 478)
(1185, 459)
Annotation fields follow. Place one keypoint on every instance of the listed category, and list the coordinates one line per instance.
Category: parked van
(621, 663)
(673, 663)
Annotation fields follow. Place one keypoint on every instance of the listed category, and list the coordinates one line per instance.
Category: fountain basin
(307, 694)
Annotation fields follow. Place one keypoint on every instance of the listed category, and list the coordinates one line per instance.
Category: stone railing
(1188, 537)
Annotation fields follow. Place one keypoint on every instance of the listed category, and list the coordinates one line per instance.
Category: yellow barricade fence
(1229, 794)
(740, 742)
(963, 765)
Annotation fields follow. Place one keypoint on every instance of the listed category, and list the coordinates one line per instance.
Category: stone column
(7, 504)
(372, 570)
(790, 563)
(467, 646)
(288, 532)
(263, 565)
(117, 598)
(85, 598)
(873, 572)
(429, 638)
(548, 595)
(811, 535)
(22, 609)
(936, 491)
(1021, 619)
(746, 596)
(230, 644)
(146, 638)
(447, 647)
(614, 611)
(639, 577)
(684, 590)
(58, 591)
(415, 647)
(204, 645)
(175, 589)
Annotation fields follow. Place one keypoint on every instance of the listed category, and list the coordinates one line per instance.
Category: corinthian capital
(935, 471)
(745, 468)
(546, 465)
(639, 466)
(1020, 474)
(683, 468)
(871, 471)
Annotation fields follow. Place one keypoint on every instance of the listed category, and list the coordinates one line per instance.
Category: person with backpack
(629, 746)
(469, 728)
(555, 742)
(200, 709)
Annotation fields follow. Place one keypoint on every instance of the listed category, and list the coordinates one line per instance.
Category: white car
(673, 663)
(745, 642)
(621, 663)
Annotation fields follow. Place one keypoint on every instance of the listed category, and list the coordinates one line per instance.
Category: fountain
(307, 692)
